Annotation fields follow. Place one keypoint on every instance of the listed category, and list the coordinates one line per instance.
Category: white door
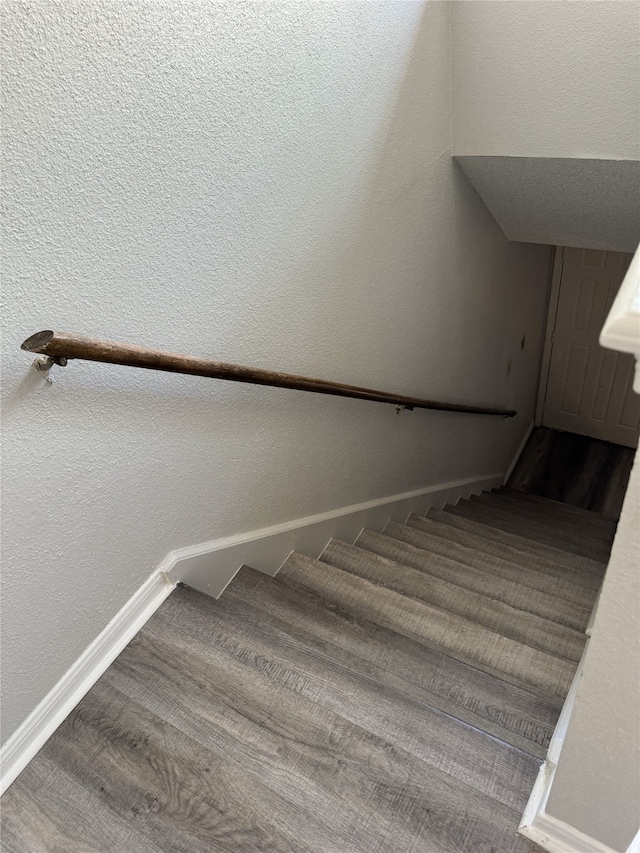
(589, 388)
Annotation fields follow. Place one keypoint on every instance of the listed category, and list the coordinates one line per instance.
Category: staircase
(396, 695)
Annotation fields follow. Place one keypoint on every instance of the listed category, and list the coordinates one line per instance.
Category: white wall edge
(550, 324)
(519, 452)
(547, 831)
(634, 847)
(621, 330)
(592, 618)
(210, 566)
(558, 837)
(82, 675)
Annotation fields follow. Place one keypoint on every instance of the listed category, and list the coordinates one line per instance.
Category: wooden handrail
(60, 346)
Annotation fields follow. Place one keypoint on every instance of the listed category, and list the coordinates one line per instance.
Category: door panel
(589, 389)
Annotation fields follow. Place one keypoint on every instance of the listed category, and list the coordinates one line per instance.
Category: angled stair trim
(211, 566)
(519, 452)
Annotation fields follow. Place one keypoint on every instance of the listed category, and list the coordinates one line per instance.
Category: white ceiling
(563, 201)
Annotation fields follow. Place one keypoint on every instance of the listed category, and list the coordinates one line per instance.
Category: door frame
(550, 327)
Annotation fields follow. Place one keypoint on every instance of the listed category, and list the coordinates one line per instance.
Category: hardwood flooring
(577, 470)
(396, 696)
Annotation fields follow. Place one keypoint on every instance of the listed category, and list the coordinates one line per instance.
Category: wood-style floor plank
(568, 541)
(423, 672)
(411, 547)
(549, 509)
(194, 740)
(268, 664)
(474, 644)
(47, 810)
(520, 542)
(295, 748)
(184, 796)
(531, 570)
(554, 522)
(574, 469)
(557, 507)
(519, 624)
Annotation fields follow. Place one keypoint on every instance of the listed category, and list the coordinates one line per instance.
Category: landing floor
(574, 469)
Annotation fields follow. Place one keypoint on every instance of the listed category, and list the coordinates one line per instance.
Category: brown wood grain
(64, 345)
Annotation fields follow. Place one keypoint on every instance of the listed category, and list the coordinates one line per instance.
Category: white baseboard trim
(522, 446)
(547, 831)
(65, 695)
(210, 566)
(556, 836)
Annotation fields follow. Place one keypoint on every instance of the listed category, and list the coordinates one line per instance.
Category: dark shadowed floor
(574, 469)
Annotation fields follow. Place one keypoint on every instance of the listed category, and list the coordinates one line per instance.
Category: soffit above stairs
(582, 202)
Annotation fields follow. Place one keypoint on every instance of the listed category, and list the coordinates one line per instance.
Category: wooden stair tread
(422, 622)
(521, 542)
(558, 506)
(180, 813)
(421, 671)
(552, 520)
(520, 625)
(538, 532)
(412, 547)
(538, 572)
(276, 716)
(264, 667)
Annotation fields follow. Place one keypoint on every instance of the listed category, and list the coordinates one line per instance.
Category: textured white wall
(546, 78)
(597, 782)
(269, 184)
